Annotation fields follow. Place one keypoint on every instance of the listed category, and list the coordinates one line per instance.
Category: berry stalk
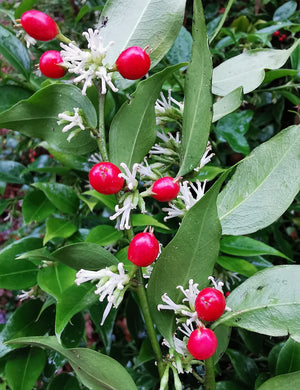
(210, 381)
(101, 139)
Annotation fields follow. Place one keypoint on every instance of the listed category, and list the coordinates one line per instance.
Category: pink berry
(165, 189)
(202, 343)
(143, 249)
(104, 178)
(210, 304)
(39, 25)
(49, 64)
(133, 63)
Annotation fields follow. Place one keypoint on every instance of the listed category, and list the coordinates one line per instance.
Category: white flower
(186, 194)
(130, 177)
(29, 41)
(161, 106)
(128, 205)
(111, 285)
(172, 211)
(87, 64)
(146, 171)
(169, 137)
(157, 149)
(190, 293)
(74, 120)
(170, 305)
(95, 158)
(207, 156)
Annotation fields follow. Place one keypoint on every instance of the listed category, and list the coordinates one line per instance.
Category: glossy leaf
(11, 172)
(14, 51)
(57, 227)
(133, 129)
(223, 337)
(24, 367)
(146, 220)
(36, 118)
(36, 207)
(245, 368)
(25, 321)
(62, 196)
(181, 50)
(227, 104)
(191, 254)
(133, 23)
(247, 69)
(285, 11)
(74, 331)
(56, 278)
(265, 304)
(95, 370)
(84, 255)
(104, 235)
(263, 185)
(289, 358)
(18, 274)
(235, 264)
(287, 381)
(232, 128)
(246, 246)
(64, 381)
(108, 200)
(197, 115)
(10, 95)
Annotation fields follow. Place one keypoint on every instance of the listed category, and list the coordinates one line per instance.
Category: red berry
(133, 63)
(202, 343)
(39, 25)
(143, 249)
(276, 33)
(165, 189)
(210, 304)
(49, 64)
(104, 178)
(282, 37)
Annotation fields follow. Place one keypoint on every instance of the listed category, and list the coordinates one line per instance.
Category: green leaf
(246, 246)
(10, 95)
(287, 381)
(276, 74)
(191, 254)
(36, 207)
(197, 115)
(3, 205)
(263, 185)
(72, 301)
(247, 69)
(181, 50)
(132, 23)
(84, 255)
(57, 227)
(95, 370)
(233, 128)
(64, 381)
(18, 274)
(62, 196)
(208, 172)
(146, 220)
(285, 11)
(104, 235)
(73, 332)
(36, 118)
(223, 337)
(56, 278)
(265, 304)
(11, 172)
(24, 6)
(133, 129)
(240, 266)
(24, 367)
(227, 104)
(14, 51)
(289, 358)
(25, 321)
(245, 368)
(108, 200)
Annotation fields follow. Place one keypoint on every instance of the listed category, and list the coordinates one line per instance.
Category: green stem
(209, 382)
(148, 321)
(222, 21)
(101, 139)
(62, 38)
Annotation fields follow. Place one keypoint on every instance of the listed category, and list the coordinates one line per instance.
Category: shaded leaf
(235, 264)
(36, 207)
(245, 368)
(227, 104)
(10, 95)
(57, 227)
(64, 381)
(288, 358)
(287, 381)
(12, 172)
(104, 235)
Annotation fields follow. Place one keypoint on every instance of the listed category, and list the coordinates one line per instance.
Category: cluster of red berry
(133, 63)
(281, 37)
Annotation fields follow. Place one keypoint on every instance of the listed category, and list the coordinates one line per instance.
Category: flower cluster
(113, 282)
(70, 120)
(87, 64)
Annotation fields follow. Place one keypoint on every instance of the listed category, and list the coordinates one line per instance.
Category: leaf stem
(148, 321)
(209, 382)
(101, 140)
(222, 21)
